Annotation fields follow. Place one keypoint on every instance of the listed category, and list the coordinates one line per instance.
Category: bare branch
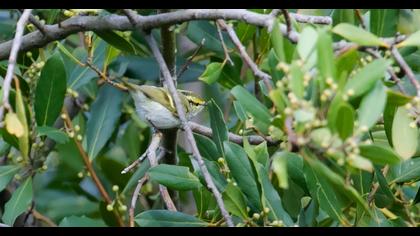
(406, 68)
(252, 139)
(222, 41)
(89, 167)
(116, 22)
(244, 55)
(187, 64)
(41, 217)
(16, 44)
(134, 198)
(390, 71)
(360, 18)
(170, 85)
(37, 24)
(287, 19)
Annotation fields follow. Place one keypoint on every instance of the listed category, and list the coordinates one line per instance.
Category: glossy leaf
(326, 64)
(406, 171)
(412, 40)
(212, 72)
(404, 137)
(116, 41)
(242, 173)
(307, 46)
(383, 197)
(18, 203)
(207, 147)
(296, 81)
(52, 133)
(366, 78)
(235, 201)
(258, 111)
(106, 111)
(165, 218)
(344, 122)
(6, 175)
(383, 22)
(217, 123)
(174, 177)
(357, 35)
(379, 154)
(13, 125)
(277, 41)
(279, 166)
(50, 91)
(372, 106)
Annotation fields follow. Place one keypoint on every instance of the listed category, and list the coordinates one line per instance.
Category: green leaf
(412, 40)
(199, 30)
(279, 166)
(306, 46)
(207, 147)
(396, 98)
(372, 106)
(326, 63)
(357, 35)
(270, 197)
(242, 173)
(258, 153)
(366, 78)
(105, 113)
(321, 190)
(18, 203)
(277, 41)
(116, 41)
(203, 201)
(165, 218)
(81, 221)
(383, 22)
(212, 72)
(52, 133)
(50, 91)
(257, 110)
(344, 122)
(235, 201)
(218, 177)
(217, 123)
(404, 138)
(174, 177)
(6, 174)
(406, 171)
(296, 81)
(240, 111)
(379, 154)
(383, 197)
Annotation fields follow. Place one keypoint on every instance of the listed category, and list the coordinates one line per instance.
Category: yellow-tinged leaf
(20, 112)
(13, 125)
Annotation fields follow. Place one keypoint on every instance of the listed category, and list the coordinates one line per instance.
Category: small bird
(156, 106)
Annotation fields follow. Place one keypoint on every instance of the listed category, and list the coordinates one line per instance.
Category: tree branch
(90, 169)
(172, 89)
(406, 68)
(252, 139)
(244, 55)
(16, 44)
(116, 22)
(134, 198)
(222, 41)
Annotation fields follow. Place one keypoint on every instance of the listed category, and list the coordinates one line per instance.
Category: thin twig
(189, 61)
(37, 215)
(17, 41)
(181, 113)
(222, 41)
(134, 164)
(291, 135)
(244, 55)
(105, 78)
(322, 20)
(406, 68)
(390, 71)
(288, 21)
(151, 155)
(134, 198)
(90, 169)
(252, 139)
(37, 24)
(360, 18)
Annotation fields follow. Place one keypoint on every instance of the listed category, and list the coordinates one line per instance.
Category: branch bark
(172, 89)
(15, 46)
(406, 68)
(117, 22)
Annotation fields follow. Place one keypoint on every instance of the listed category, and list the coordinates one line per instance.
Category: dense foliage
(340, 118)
